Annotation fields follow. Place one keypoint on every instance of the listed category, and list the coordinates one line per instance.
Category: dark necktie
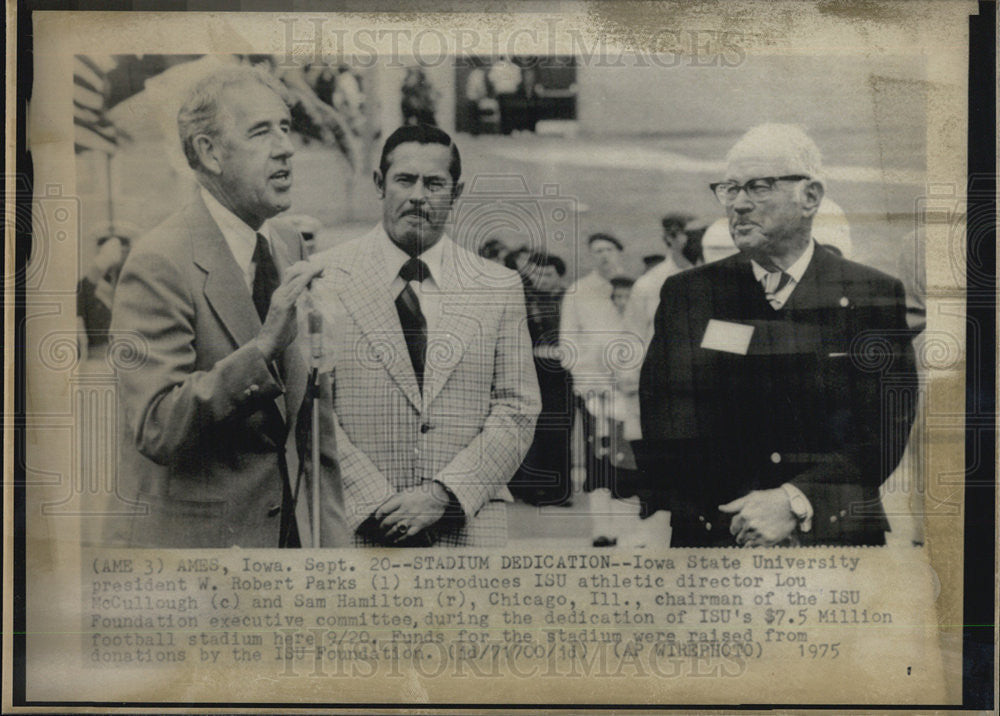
(265, 281)
(265, 278)
(411, 318)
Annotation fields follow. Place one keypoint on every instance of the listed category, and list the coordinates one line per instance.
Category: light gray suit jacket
(205, 421)
(474, 421)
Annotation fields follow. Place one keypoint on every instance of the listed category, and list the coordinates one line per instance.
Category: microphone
(315, 319)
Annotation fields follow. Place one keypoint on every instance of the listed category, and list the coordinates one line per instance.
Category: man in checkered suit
(434, 386)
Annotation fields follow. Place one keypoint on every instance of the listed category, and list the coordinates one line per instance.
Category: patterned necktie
(265, 278)
(411, 318)
(773, 282)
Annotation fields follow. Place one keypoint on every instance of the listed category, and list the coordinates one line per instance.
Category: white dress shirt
(795, 271)
(428, 291)
(240, 238)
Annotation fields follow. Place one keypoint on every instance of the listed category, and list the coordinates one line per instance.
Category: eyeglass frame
(745, 186)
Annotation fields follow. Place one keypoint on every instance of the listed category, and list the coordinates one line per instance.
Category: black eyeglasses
(758, 189)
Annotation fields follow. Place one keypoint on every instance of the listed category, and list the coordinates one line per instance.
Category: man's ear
(379, 183)
(812, 195)
(208, 150)
(457, 191)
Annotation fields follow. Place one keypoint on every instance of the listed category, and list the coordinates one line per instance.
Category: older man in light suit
(211, 449)
(436, 395)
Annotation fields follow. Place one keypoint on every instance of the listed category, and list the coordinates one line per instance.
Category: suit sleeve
(169, 405)
(482, 468)
(662, 450)
(883, 387)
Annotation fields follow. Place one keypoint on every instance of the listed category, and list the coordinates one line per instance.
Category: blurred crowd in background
(589, 400)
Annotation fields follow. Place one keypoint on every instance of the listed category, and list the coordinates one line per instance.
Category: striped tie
(773, 282)
(411, 318)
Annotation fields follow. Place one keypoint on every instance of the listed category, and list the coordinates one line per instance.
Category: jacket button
(273, 510)
(775, 457)
(843, 513)
(708, 526)
(833, 518)
(425, 428)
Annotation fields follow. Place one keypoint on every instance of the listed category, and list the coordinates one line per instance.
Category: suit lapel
(738, 296)
(808, 294)
(455, 328)
(367, 299)
(225, 288)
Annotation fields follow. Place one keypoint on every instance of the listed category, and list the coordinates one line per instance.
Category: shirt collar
(797, 270)
(241, 239)
(394, 257)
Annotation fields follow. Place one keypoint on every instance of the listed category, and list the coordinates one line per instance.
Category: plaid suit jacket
(473, 423)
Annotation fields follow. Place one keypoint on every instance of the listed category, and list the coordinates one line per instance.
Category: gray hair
(199, 112)
(777, 141)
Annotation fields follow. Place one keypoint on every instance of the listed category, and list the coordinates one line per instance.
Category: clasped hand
(761, 518)
(411, 511)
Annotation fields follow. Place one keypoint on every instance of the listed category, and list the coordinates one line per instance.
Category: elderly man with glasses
(777, 393)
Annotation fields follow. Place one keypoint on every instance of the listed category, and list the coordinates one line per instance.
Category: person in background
(621, 290)
(651, 260)
(505, 78)
(517, 260)
(419, 99)
(589, 328)
(693, 251)
(96, 290)
(479, 97)
(494, 249)
(777, 393)
(544, 476)
(646, 292)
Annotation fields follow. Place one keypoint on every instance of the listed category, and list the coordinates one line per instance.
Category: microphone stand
(315, 339)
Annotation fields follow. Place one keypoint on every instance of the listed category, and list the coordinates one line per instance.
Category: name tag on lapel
(727, 337)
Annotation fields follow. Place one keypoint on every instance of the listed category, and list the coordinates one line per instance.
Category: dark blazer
(205, 422)
(824, 398)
